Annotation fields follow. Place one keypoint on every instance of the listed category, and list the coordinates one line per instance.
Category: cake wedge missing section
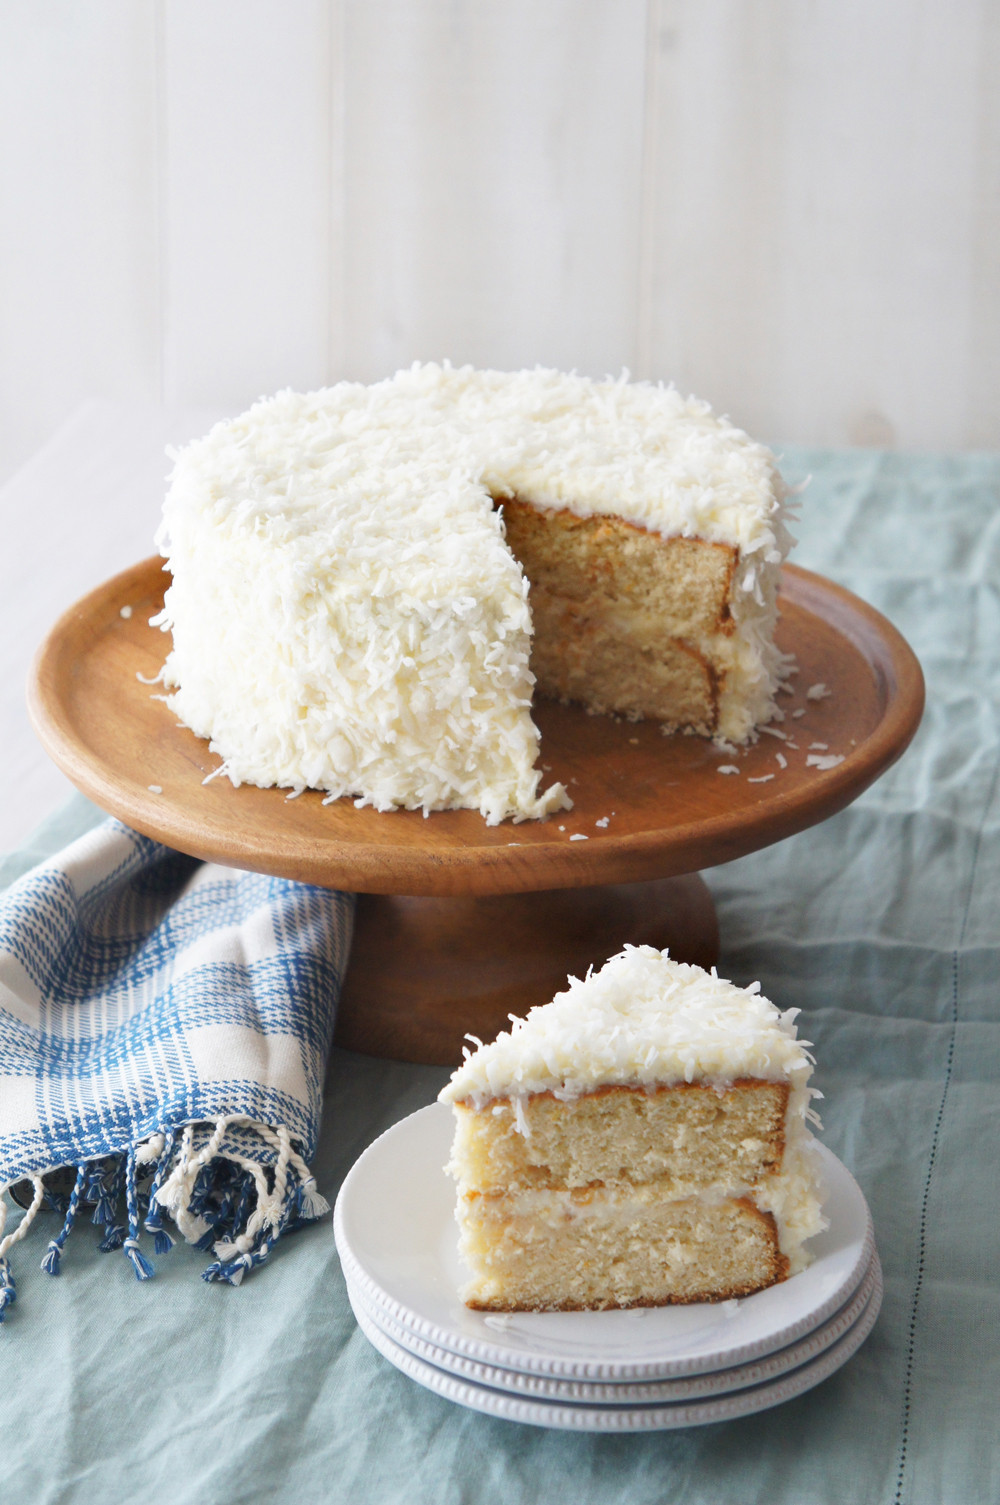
(370, 583)
(639, 1141)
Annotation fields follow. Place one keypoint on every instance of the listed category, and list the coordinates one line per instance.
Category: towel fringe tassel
(50, 1264)
(216, 1197)
(8, 1290)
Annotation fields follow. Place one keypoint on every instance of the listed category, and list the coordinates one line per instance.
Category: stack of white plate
(646, 1369)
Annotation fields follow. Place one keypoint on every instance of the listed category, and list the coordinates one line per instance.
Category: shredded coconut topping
(641, 1019)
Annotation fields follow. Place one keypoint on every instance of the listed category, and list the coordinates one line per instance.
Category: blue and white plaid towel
(164, 1027)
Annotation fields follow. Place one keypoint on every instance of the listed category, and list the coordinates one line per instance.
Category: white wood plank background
(792, 208)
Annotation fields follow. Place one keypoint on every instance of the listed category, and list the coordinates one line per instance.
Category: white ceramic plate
(398, 1242)
(653, 1418)
(586, 1392)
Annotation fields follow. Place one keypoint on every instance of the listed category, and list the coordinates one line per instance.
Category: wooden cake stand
(458, 923)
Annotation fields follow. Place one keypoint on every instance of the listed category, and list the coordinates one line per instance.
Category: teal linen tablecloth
(882, 926)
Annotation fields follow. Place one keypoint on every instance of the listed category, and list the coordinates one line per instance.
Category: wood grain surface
(664, 806)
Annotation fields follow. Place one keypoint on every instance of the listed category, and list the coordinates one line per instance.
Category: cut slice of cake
(641, 1140)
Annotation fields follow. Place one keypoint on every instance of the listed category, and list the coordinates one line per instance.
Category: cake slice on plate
(641, 1140)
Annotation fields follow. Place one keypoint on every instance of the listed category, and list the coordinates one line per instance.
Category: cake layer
(598, 1248)
(684, 583)
(678, 1139)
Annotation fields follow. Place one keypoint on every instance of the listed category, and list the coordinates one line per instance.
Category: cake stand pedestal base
(424, 971)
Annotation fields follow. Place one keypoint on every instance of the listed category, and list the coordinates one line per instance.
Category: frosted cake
(370, 582)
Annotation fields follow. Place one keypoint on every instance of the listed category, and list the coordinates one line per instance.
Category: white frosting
(641, 1019)
(346, 614)
(644, 1019)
